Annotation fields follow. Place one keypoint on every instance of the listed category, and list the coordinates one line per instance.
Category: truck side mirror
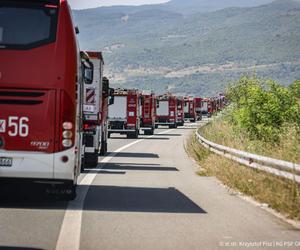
(111, 100)
(106, 88)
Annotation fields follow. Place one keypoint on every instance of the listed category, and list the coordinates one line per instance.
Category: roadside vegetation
(263, 118)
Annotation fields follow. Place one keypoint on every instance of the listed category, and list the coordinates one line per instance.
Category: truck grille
(10, 97)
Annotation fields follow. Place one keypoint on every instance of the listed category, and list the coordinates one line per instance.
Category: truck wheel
(136, 134)
(156, 126)
(91, 160)
(103, 149)
(151, 132)
(82, 165)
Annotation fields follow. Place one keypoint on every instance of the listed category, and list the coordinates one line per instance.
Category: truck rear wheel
(133, 135)
(90, 160)
(150, 131)
(103, 149)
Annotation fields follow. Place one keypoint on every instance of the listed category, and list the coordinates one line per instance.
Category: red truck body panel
(40, 84)
(180, 111)
(148, 110)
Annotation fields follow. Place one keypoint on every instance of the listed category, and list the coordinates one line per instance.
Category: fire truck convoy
(189, 109)
(166, 112)
(95, 106)
(40, 95)
(124, 115)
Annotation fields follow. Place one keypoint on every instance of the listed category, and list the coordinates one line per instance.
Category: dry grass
(222, 132)
(280, 194)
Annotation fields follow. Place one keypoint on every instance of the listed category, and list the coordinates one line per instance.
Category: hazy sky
(84, 4)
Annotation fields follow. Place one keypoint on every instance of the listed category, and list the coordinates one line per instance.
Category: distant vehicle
(189, 109)
(166, 112)
(125, 114)
(206, 107)
(40, 93)
(95, 105)
(180, 112)
(198, 107)
(148, 113)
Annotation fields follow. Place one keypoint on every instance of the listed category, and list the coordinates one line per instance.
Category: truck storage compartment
(119, 109)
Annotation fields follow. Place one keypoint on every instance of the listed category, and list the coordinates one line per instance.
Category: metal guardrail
(280, 168)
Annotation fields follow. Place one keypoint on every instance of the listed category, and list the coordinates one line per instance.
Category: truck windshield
(27, 25)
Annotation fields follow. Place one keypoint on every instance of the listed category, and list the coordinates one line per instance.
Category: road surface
(145, 195)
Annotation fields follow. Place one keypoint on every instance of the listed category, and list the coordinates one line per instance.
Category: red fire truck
(95, 104)
(198, 107)
(189, 109)
(180, 112)
(206, 107)
(148, 113)
(166, 112)
(40, 93)
(125, 114)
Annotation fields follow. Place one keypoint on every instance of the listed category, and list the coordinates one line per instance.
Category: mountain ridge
(145, 48)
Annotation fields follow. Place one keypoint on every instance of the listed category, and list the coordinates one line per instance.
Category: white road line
(70, 231)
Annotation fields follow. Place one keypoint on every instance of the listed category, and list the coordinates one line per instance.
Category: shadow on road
(136, 155)
(103, 171)
(168, 135)
(18, 248)
(106, 198)
(137, 199)
(29, 196)
(155, 138)
(129, 166)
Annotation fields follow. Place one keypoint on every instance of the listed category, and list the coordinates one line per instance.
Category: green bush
(263, 107)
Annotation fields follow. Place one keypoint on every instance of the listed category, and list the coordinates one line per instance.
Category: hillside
(154, 47)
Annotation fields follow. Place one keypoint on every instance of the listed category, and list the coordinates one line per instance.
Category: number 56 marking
(18, 126)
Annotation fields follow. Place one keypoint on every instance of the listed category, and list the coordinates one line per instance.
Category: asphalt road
(144, 195)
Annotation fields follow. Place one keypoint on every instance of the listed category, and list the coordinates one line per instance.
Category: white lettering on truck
(16, 126)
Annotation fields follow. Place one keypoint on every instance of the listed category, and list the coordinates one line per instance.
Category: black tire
(82, 165)
(106, 147)
(151, 131)
(91, 160)
(136, 134)
(103, 150)
(156, 126)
